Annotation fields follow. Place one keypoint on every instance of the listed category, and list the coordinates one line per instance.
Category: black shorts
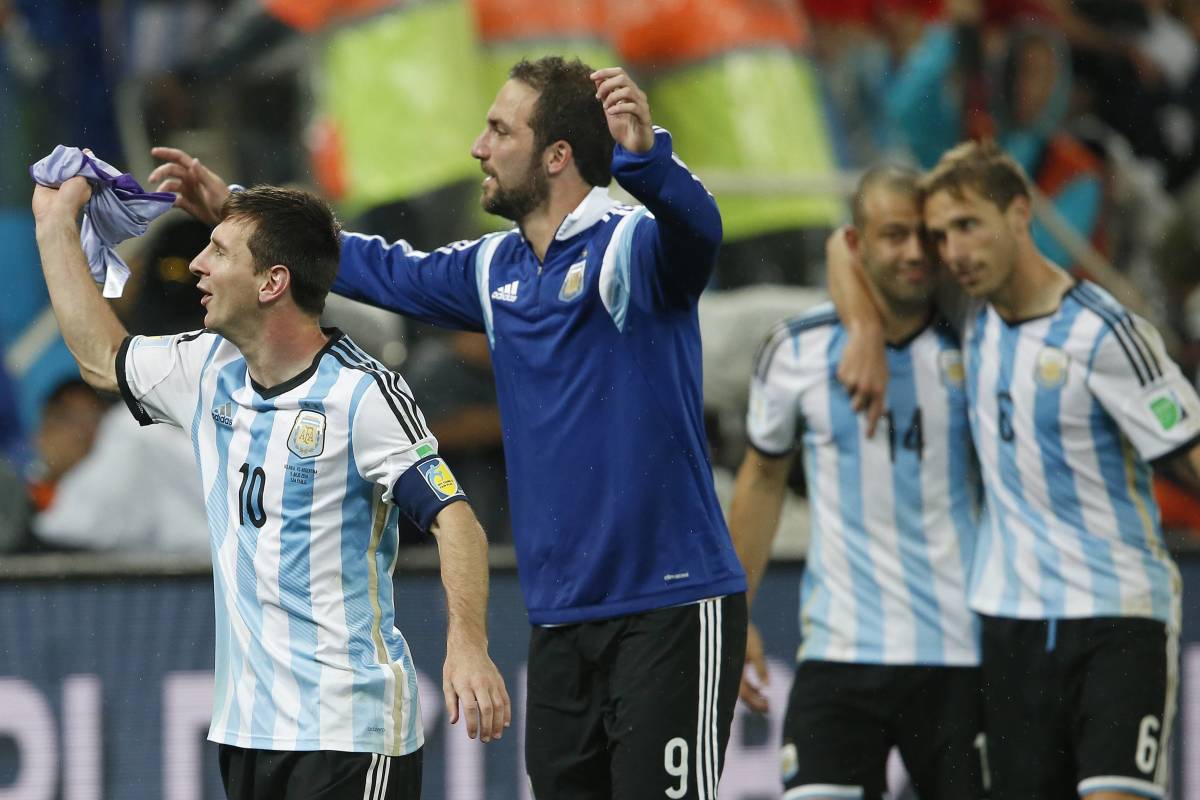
(1076, 706)
(634, 707)
(843, 719)
(250, 774)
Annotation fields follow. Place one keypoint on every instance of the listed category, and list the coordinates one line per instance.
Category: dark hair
(982, 167)
(293, 228)
(903, 180)
(567, 109)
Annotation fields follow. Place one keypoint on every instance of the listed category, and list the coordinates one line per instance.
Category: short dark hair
(296, 229)
(984, 168)
(900, 179)
(567, 109)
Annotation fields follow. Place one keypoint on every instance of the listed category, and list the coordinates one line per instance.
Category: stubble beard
(519, 201)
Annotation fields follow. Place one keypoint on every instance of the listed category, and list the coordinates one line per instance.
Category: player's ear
(558, 156)
(275, 282)
(853, 238)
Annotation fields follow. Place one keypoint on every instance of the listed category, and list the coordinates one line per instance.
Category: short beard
(519, 201)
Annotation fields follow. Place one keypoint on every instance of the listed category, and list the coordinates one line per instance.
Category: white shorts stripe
(700, 704)
(367, 793)
(381, 790)
(714, 774)
(1169, 706)
(823, 791)
(1120, 783)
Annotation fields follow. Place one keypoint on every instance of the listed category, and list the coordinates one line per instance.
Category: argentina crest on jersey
(950, 366)
(572, 285)
(307, 438)
(1050, 368)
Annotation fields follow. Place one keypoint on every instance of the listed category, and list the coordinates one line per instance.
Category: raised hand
(201, 192)
(626, 108)
(66, 200)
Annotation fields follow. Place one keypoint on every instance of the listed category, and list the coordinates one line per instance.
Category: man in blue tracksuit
(632, 585)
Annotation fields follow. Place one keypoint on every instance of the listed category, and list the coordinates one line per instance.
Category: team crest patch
(573, 284)
(440, 478)
(789, 762)
(307, 438)
(950, 364)
(1167, 409)
(1050, 369)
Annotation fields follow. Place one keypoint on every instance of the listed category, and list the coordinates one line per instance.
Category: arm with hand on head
(863, 369)
(88, 325)
(687, 223)
(469, 677)
(758, 494)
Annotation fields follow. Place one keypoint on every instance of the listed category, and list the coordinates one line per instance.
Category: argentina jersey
(893, 516)
(1066, 411)
(303, 484)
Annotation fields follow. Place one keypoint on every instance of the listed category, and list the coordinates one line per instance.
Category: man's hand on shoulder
(201, 192)
(626, 108)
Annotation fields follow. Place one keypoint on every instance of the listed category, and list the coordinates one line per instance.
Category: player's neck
(539, 226)
(1035, 288)
(901, 324)
(282, 348)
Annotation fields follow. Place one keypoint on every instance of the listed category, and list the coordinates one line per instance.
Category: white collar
(586, 214)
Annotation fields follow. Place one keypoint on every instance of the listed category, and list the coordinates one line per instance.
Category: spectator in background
(934, 101)
(135, 491)
(452, 374)
(70, 418)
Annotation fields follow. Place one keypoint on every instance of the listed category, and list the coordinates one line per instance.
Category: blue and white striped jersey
(893, 516)
(303, 483)
(1066, 411)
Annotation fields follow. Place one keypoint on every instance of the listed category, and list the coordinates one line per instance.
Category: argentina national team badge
(950, 364)
(1050, 369)
(440, 478)
(307, 438)
(573, 284)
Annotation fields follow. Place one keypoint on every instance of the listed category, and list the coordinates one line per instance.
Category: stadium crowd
(781, 104)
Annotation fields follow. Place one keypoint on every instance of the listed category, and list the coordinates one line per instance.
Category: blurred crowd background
(776, 104)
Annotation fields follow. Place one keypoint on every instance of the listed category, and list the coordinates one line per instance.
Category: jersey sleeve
(439, 287)
(394, 448)
(1142, 389)
(159, 376)
(677, 241)
(772, 417)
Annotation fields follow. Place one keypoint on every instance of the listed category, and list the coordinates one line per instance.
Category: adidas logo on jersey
(223, 414)
(507, 292)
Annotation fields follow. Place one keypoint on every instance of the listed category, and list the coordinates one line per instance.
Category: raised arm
(88, 325)
(863, 370)
(758, 494)
(469, 677)
(688, 224)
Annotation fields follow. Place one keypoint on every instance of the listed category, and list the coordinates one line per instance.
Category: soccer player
(308, 450)
(1071, 400)
(631, 581)
(890, 650)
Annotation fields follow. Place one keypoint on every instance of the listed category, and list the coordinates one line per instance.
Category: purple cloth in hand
(119, 209)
